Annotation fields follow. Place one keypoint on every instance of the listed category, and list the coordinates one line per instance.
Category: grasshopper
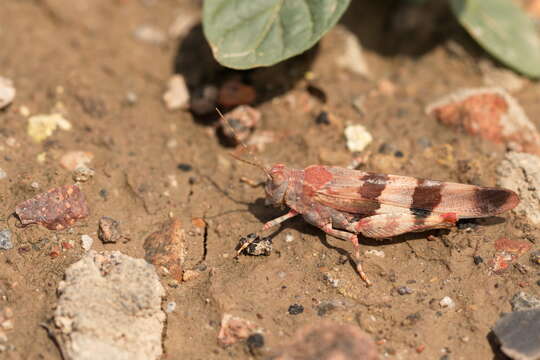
(344, 203)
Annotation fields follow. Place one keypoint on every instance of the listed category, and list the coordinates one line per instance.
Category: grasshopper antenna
(257, 162)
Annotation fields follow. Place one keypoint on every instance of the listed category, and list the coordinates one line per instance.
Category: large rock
(521, 172)
(110, 308)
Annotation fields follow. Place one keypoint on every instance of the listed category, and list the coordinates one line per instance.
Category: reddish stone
(507, 252)
(56, 209)
(490, 113)
(330, 341)
(165, 249)
(234, 329)
(233, 93)
(239, 124)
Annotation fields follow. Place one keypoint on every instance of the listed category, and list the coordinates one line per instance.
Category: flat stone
(110, 308)
(519, 334)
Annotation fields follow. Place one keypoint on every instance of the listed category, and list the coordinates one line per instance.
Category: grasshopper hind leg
(340, 234)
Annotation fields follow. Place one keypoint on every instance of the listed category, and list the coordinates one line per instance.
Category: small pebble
(289, 238)
(24, 111)
(447, 302)
(357, 137)
(238, 125)
(74, 159)
(5, 239)
(322, 118)
(404, 290)
(477, 260)
(352, 58)
(184, 167)
(86, 242)
(7, 325)
(399, 154)
(3, 174)
(7, 92)
(523, 301)
(535, 257)
(41, 127)
(296, 309)
(83, 174)
(177, 95)
(149, 34)
(378, 253)
(255, 341)
(109, 230)
(171, 306)
(104, 193)
(131, 98)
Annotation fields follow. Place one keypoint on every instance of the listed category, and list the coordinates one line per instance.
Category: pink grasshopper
(344, 203)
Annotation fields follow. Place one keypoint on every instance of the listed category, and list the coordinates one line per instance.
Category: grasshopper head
(276, 185)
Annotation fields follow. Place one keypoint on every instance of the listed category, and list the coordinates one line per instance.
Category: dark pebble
(255, 341)
(296, 309)
(404, 290)
(184, 167)
(386, 148)
(325, 308)
(538, 283)
(445, 357)
(535, 257)
(517, 332)
(322, 118)
(317, 92)
(477, 260)
(103, 193)
(399, 154)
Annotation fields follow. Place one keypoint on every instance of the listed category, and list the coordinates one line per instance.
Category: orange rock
(233, 93)
(165, 249)
(330, 341)
(490, 113)
(55, 209)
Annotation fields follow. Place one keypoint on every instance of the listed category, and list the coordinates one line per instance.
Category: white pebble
(177, 94)
(149, 34)
(447, 302)
(41, 127)
(87, 242)
(289, 238)
(378, 253)
(171, 306)
(7, 92)
(183, 24)
(357, 137)
(352, 58)
(3, 174)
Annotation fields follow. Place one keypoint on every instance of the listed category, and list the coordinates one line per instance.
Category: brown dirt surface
(80, 58)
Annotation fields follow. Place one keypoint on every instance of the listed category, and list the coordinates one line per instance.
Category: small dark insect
(254, 245)
(56, 209)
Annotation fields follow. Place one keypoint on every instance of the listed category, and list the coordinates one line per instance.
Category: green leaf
(245, 34)
(502, 29)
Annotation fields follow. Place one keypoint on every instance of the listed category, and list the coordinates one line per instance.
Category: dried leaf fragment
(56, 209)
